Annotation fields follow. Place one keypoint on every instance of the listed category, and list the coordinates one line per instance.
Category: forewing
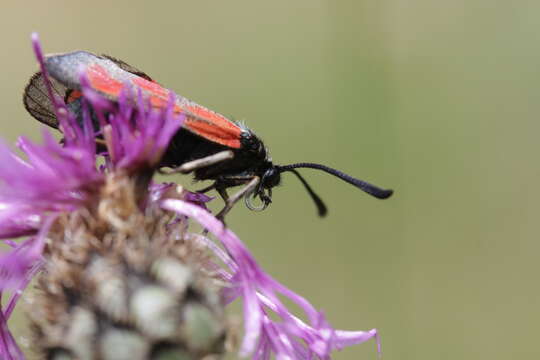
(209, 125)
(37, 102)
(201, 121)
(109, 76)
(212, 126)
(126, 67)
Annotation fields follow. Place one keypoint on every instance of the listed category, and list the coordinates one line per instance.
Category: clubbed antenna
(321, 207)
(360, 184)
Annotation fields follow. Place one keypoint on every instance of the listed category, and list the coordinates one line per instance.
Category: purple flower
(288, 338)
(55, 179)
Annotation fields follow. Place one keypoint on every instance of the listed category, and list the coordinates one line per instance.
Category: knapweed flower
(120, 272)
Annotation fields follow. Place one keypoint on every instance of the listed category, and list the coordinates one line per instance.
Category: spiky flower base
(122, 284)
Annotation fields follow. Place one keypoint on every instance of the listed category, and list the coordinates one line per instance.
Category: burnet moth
(208, 145)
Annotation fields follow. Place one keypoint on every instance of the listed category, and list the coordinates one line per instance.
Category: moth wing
(126, 67)
(108, 75)
(36, 98)
(37, 102)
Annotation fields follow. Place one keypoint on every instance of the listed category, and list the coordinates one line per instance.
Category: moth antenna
(321, 207)
(360, 184)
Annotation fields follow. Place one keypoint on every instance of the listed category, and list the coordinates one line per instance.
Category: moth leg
(200, 163)
(207, 189)
(222, 191)
(230, 201)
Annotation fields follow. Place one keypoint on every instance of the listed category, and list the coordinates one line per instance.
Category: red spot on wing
(203, 122)
(73, 95)
(213, 126)
(158, 95)
(101, 81)
(153, 88)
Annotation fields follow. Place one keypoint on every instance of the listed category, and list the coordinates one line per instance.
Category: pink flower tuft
(58, 178)
(288, 338)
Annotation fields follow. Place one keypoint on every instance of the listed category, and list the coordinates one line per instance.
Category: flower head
(76, 214)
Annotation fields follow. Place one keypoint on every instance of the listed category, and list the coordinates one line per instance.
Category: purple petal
(18, 262)
(9, 350)
(348, 338)
(134, 139)
(52, 179)
(16, 221)
(289, 337)
(41, 60)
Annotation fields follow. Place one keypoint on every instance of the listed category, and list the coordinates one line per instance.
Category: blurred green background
(437, 100)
